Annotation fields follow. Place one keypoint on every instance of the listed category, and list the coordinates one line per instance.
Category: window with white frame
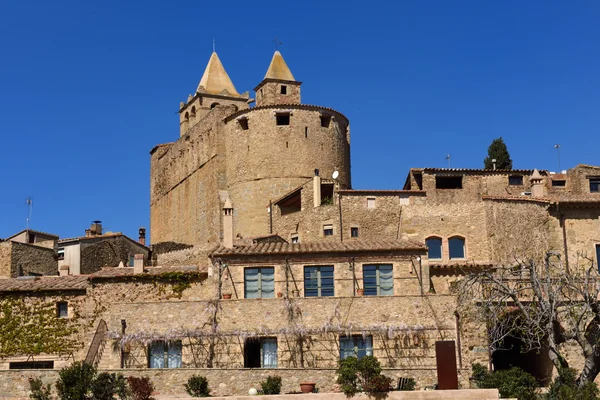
(260, 353)
(318, 281)
(378, 280)
(162, 354)
(259, 283)
(61, 253)
(434, 248)
(328, 230)
(356, 346)
(456, 247)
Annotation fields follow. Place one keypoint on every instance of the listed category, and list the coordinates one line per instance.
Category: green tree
(498, 151)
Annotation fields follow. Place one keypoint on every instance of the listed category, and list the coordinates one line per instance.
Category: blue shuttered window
(259, 283)
(378, 280)
(356, 346)
(318, 281)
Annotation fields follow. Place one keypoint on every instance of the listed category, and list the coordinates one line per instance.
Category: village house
(266, 260)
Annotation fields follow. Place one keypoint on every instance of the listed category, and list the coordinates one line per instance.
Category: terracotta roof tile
(321, 247)
(43, 283)
(460, 265)
(487, 171)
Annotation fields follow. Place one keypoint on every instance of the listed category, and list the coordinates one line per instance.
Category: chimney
(317, 189)
(142, 238)
(138, 264)
(228, 224)
(95, 229)
(537, 184)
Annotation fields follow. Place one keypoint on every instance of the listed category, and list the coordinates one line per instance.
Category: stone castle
(265, 260)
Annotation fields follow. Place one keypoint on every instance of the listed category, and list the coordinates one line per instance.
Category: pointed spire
(215, 78)
(279, 69)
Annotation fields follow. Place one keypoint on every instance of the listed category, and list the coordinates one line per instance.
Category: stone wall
(5, 259)
(33, 259)
(108, 252)
(270, 93)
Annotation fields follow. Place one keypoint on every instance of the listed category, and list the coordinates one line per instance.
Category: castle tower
(215, 88)
(279, 85)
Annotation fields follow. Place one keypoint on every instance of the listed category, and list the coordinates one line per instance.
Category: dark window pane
(515, 180)
(434, 248)
(456, 247)
(595, 185)
(598, 256)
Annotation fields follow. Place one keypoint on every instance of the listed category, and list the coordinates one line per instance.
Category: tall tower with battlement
(245, 156)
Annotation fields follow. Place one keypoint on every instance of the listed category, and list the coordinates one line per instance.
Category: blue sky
(88, 88)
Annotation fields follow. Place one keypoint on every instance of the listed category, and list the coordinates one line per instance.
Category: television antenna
(557, 147)
(29, 202)
(448, 159)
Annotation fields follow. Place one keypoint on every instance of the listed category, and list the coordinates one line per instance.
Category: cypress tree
(498, 151)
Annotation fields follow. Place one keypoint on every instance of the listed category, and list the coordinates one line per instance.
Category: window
(354, 232)
(306, 131)
(260, 353)
(283, 119)
(456, 245)
(594, 185)
(131, 260)
(62, 309)
(356, 346)
(318, 281)
(31, 365)
(326, 194)
(61, 253)
(378, 280)
(243, 123)
(295, 238)
(598, 256)
(325, 121)
(448, 182)
(31, 237)
(259, 283)
(559, 183)
(164, 354)
(370, 202)
(213, 105)
(327, 230)
(283, 89)
(515, 180)
(434, 248)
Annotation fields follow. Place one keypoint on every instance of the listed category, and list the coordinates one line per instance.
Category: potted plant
(227, 296)
(307, 387)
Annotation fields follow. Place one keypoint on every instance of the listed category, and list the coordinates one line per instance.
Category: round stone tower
(276, 146)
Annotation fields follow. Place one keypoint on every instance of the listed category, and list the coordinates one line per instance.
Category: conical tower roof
(215, 78)
(278, 69)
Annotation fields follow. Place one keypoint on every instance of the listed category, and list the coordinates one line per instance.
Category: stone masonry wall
(270, 93)
(33, 259)
(5, 259)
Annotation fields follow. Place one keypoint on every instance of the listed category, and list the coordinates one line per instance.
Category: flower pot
(227, 296)
(307, 387)
(279, 294)
(360, 292)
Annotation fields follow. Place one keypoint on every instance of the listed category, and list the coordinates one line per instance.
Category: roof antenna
(29, 207)
(557, 147)
(214, 46)
(448, 159)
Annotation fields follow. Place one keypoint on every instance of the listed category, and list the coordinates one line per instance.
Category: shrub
(356, 375)
(565, 387)
(197, 386)
(513, 382)
(106, 386)
(38, 390)
(272, 385)
(141, 388)
(74, 382)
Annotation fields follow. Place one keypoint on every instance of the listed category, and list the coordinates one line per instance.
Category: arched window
(193, 111)
(235, 108)
(213, 105)
(187, 116)
(434, 248)
(456, 247)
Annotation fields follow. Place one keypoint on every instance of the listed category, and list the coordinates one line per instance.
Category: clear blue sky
(88, 88)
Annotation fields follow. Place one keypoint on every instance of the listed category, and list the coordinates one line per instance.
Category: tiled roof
(565, 198)
(320, 247)
(487, 171)
(103, 236)
(44, 283)
(450, 265)
(34, 231)
(120, 272)
(519, 198)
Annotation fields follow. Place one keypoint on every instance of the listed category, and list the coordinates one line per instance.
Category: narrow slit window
(354, 232)
(283, 119)
(283, 89)
(306, 132)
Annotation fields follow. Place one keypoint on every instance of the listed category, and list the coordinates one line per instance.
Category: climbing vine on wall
(31, 327)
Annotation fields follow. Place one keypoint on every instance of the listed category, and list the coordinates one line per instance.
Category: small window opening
(61, 253)
(187, 115)
(595, 184)
(515, 180)
(283, 119)
(283, 89)
(354, 232)
(287, 145)
(243, 123)
(31, 365)
(325, 120)
(31, 237)
(295, 238)
(328, 230)
(261, 92)
(193, 111)
(306, 131)
(291, 203)
(559, 183)
(370, 202)
(62, 309)
(326, 194)
(213, 105)
(448, 182)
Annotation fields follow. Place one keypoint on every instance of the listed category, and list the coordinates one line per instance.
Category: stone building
(267, 261)
(28, 253)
